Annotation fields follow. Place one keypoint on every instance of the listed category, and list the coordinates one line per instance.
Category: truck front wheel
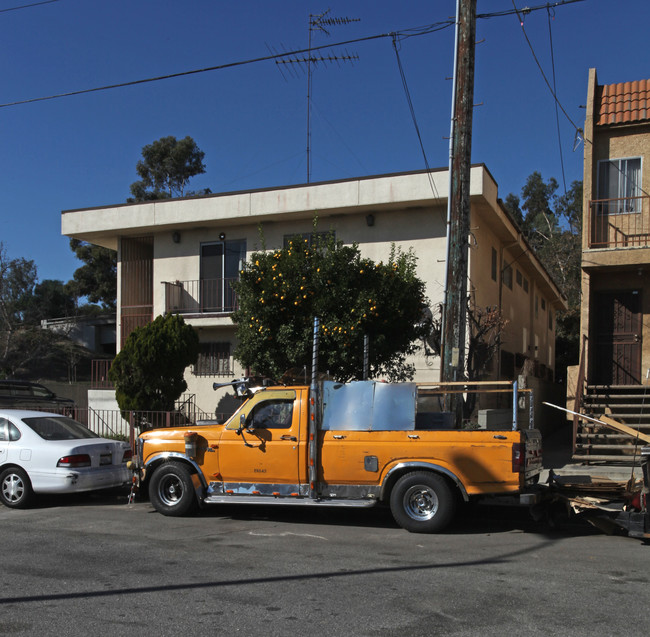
(171, 490)
(422, 502)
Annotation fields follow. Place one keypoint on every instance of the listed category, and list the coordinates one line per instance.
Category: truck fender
(201, 485)
(405, 467)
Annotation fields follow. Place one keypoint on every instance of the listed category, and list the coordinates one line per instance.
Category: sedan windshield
(58, 428)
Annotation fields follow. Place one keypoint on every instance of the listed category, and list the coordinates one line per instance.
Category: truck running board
(270, 500)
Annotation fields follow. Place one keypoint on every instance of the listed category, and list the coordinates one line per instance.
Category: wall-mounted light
(176, 236)
(222, 236)
(370, 220)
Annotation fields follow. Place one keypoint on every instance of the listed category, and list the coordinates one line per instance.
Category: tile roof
(624, 103)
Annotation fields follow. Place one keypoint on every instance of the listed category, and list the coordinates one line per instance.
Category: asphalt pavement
(94, 565)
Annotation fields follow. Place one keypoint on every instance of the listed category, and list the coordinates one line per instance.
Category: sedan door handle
(287, 437)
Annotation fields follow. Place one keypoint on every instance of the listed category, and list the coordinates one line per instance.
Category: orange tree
(280, 292)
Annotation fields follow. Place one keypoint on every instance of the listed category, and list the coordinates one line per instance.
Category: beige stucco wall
(526, 331)
(421, 229)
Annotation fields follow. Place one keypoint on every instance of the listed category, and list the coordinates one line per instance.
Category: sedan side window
(14, 433)
(8, 431)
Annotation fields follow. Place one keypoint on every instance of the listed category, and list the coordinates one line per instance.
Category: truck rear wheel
(171, 490)
(422, 502)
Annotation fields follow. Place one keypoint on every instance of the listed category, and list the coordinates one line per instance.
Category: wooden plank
(624, 429)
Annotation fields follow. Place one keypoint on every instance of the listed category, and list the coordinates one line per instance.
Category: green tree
(49, 299)
(540, 222)
(20, 341)
(512, 205)
(165, 169)
(148, 371)
(280, 292)
(97, 278)
(17, 280)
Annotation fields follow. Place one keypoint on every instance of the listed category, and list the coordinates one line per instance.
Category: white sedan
(48, 453)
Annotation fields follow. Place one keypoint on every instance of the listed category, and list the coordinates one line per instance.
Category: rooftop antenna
(318, 22)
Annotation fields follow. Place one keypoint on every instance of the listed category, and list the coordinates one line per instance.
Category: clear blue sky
(250, 120)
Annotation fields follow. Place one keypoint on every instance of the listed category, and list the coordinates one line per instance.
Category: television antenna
(320, 22)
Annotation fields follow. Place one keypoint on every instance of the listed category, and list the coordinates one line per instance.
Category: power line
(414, 118)
(28, 6)
(539, 66)
(406, 33)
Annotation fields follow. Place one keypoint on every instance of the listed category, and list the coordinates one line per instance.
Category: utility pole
(454, 328)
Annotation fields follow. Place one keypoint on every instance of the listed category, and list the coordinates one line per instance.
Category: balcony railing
(619, 223)
(200, 297)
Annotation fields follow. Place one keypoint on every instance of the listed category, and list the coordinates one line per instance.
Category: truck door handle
(500, 437)
(287, 437)
(338, 437)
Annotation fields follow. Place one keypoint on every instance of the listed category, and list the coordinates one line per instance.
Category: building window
(550, 321)
(507, 276)
(520, 278)
(525, 285)
(619, 180)
(311, 238)
(221, 262)
(494, 264)
(213, 360)
(536, 306)
(543, 305)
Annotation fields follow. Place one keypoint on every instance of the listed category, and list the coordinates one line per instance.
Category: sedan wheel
(15, 488)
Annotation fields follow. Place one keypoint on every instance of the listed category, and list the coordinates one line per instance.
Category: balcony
(619, 223)
(206, 296)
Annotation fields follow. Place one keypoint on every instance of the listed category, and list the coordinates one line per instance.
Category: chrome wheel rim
(170, 490)
(13, 488)
(421, 503)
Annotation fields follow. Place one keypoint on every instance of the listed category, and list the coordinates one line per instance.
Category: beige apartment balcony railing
(619, 223)
(200, 297)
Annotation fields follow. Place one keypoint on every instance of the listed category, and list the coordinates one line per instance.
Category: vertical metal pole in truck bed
(313, 417)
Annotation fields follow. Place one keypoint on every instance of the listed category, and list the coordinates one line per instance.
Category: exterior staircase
(627, 404)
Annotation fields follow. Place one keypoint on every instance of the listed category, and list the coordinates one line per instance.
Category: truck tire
(422, 502)
(15, 488)
(171, 490)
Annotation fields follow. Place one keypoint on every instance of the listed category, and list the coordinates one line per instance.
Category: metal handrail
(580, 390)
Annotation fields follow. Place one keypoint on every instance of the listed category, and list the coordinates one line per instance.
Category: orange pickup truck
(355, 444)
